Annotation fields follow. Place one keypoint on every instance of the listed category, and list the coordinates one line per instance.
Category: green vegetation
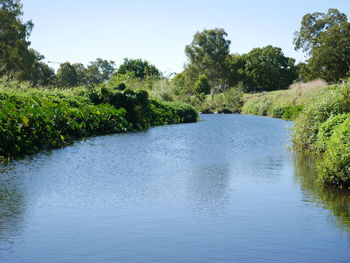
(326, 39)
(334, 168)
(285, 104)
(52, 110)
(323, 127)
(34, 119)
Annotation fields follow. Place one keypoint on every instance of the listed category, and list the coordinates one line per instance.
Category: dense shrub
(326, 130)
(332, 101)
(291, 112)
(30, 123)
(32, 119)
(334, 168)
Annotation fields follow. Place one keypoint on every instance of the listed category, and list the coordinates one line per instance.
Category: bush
(332, 101)
(326, 130)
(33, 119)
(31, 123)
(291, 112)
(334, 168)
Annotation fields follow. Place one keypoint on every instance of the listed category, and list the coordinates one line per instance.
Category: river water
(225, 189)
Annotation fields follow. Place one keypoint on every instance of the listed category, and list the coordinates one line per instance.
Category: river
(226, 189)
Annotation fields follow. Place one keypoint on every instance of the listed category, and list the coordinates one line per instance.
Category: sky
(159, 30)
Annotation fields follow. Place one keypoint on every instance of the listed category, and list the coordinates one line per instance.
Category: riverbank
(322, 124)
(37, 119)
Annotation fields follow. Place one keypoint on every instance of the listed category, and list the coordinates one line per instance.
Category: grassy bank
(36, 119)
(285, 104)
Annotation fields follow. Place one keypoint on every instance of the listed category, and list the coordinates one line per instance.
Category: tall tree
(16, 60)
(99, 71)
(267, 69)
(67, 75)
(326, 39)
(208, 54)
(312, 25)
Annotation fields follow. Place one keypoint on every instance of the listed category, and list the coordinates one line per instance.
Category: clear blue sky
(158, 30)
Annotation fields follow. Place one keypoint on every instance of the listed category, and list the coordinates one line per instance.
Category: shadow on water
(12, 211)
(337, 201)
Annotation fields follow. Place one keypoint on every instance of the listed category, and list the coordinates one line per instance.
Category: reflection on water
(221, 190)
(337, 201)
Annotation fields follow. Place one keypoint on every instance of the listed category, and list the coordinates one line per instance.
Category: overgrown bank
(324, 127)
(33, 119)
(322, 124)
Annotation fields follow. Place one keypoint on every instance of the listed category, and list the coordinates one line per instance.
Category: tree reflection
(335, 200)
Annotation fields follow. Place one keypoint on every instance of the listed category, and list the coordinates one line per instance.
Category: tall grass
(286, 104)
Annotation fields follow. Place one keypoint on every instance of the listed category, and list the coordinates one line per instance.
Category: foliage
(230, 101)
(30, 122)
(266, 69)
(326, 130)
(285, 104)
(67, 75)
(202, 85)
(34, 119)
(16, 59)
(313, 25)
(334, 168)
(330, 59)
(208, 54)
(333, 100)
(140, 68)
(326, 39)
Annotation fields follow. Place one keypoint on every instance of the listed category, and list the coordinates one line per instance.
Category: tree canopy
(208, 54)
(67, 75)
(325, 38)
(16, 60)
(140, 68)
(267, 69)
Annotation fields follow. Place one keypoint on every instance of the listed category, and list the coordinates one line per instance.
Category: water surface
(226, 189)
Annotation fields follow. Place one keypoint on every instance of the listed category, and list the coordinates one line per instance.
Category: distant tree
(67, 75)
(81, 73)
(202, 85)
(40, 73)
(236, 67)
(267, 69)
(312, 25)
(208, 54)
(99, 71)
(16, 60)
(140, 68)
(326, 39)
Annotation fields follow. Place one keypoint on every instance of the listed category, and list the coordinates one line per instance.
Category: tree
(326, 39)
(312, 25)
(202, 85)
(140, 68)
(16, 60)
(208, 54)
(40, 73)
(236, 67)
(99, 71)
(330, 60)
(67, 75)
(81, 73)
(267, 69)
